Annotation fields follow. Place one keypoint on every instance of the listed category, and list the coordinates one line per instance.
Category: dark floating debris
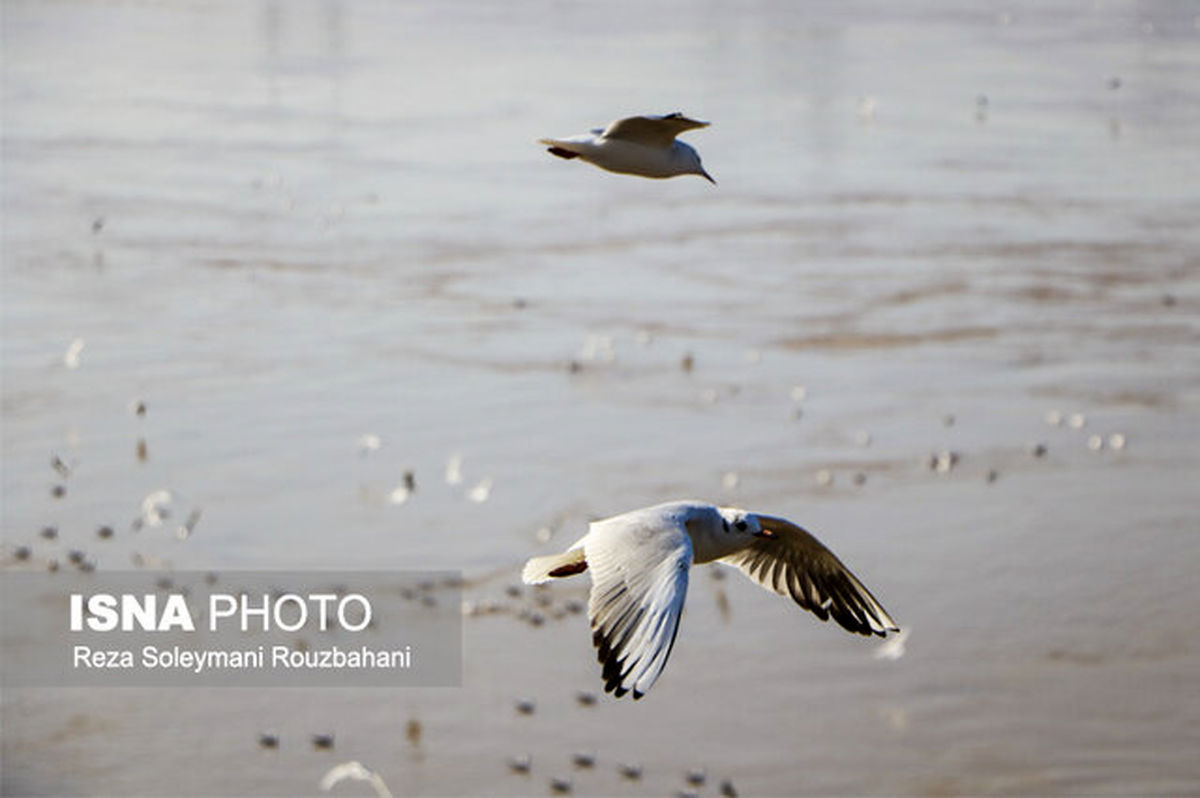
(630, 772)
(143, 452)
(22, 553)
(49, 532)
(585, 699)
(268, 740)
(58, 491)
(860, 479)
(688, 362)
(189, 525)
(581, 759)
(943, 462)
(412, 731)
(322, 741)
(526, 706)
(61, 467)
(695, 777)
(560, 786)
(52, 565)
(532, 617)
(724, 609)
(992, 475)
(105, 532)
(1038, 450)
(520, 764)
(75, 556)
(210, 578)
(728, 790)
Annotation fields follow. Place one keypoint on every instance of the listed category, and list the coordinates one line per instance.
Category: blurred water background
(317, 242)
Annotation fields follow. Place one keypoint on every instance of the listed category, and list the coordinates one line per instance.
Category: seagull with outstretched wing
(640, 562)
(639, 145)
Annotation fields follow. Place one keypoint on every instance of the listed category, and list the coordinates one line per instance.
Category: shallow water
(323, 220)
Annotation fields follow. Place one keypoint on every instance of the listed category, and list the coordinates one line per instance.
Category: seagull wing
(791, 562)
(651, 131)
(639, 581)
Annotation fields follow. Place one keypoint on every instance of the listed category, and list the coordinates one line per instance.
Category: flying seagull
(639, 145)
(640, 562)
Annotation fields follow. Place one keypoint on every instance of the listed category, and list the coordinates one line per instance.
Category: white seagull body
(640, 562)
(638, 145)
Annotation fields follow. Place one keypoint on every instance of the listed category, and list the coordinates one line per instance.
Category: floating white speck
(369, 443)
(892, 648)
(862, 437)
(1077, 421)
(354, 771)
(799, 393)
(1054, 418)
(543, 534)
(454, 470)
(1116, 441)
(943, 462)
(401, 494)
(753, 356)
(896, 717)
(480, 493)
(730, 480)
(824, 477)
(866, 108)
(1095, 442)
(155, 507)
(189, 526)
(598, 348)
(71, 356)
(643, 338)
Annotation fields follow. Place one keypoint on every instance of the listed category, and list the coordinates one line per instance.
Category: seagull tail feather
(563, 149)
(554, 566)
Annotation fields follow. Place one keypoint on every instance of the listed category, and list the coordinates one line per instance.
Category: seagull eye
(741, 525)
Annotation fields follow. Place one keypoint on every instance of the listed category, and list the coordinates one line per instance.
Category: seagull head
(741, 523)
(691, 162)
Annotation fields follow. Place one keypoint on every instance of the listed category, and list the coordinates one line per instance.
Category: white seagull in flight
(640, 562)
(639, 145)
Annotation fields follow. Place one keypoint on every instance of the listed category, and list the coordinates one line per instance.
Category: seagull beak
(707, 176)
